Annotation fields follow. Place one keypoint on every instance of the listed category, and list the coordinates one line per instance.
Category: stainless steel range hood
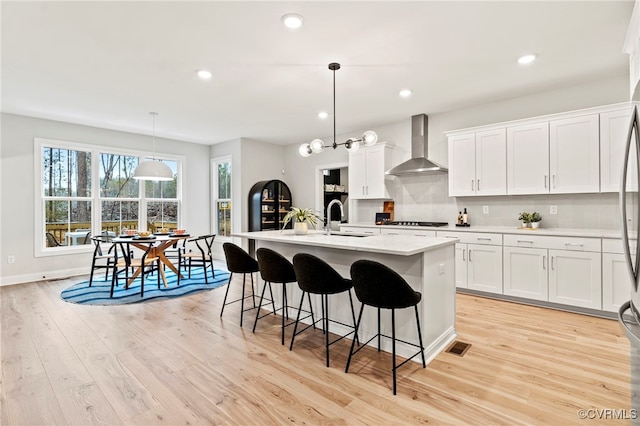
(419, 162)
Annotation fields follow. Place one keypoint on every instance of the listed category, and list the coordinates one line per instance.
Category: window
(162, 202)
(119, 193)
(222, 196)
(66, 194)
(88, 190)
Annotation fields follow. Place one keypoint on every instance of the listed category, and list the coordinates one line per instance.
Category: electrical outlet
(11, 259)
(441, 269)
(485, 209)
(553, 210)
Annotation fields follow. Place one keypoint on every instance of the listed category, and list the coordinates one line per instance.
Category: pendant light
(153, 169)
(368, 138)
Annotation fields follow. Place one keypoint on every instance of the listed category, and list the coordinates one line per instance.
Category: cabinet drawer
(359, 230)
(416, 232)
(473, 237)
(614, 245)
(548, 242)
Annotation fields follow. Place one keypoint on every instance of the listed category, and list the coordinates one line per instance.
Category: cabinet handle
(392, 233)
(545, 181)
(367, 189)
(472, 184)
(469, 255)
(483, 239)
(463, 257)
(552, 263)
(544, 262)
(553, 181)
(574, 244)
(449, 236)
(525, 241)
(478, 185)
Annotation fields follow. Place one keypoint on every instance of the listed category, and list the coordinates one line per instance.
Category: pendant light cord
(334, 109)
(153, 114)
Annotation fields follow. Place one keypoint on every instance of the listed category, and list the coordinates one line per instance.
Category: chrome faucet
(328, 214)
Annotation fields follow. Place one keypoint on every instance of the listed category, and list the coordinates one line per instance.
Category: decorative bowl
(179, 231)
(144, 234)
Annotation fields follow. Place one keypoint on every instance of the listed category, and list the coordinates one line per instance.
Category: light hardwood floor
(178, 362)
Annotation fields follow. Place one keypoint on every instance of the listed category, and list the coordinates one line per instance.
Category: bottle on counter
(465, 217)
(460, 218)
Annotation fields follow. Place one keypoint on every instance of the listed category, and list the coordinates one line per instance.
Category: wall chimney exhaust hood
(419, 162)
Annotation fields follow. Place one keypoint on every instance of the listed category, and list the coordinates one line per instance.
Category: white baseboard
(40, 276)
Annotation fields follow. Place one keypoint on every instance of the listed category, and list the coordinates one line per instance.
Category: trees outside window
(222, 196)
(76, 181)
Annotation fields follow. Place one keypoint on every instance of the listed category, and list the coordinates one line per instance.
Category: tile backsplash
(425, 197)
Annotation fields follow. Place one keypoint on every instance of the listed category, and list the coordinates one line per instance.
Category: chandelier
(153, 169)
(368, 138)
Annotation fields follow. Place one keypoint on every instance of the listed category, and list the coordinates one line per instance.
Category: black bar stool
(275, 268)
(239, 261)
(379, 286)
(318, 277)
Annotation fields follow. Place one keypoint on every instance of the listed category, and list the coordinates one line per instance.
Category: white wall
(425, 197)
(251, 162)
(17, 185)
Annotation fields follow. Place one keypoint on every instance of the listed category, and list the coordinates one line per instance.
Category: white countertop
(388, 244)
(565, 232)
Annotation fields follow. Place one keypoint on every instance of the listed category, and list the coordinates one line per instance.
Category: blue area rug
(98, 293)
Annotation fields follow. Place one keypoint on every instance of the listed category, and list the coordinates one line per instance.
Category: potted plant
(303, 217)
(525, 218)
(535, 220)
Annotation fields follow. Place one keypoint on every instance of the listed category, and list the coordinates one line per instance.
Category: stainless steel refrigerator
(629, 312)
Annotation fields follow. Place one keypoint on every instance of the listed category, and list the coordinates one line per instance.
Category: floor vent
(458, 348)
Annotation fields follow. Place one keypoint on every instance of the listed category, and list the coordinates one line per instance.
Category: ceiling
(108, 64)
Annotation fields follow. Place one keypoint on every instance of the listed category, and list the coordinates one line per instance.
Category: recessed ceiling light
(527, 59)
(204, 74)
(405, 93)
(322, 115)
(292, 20)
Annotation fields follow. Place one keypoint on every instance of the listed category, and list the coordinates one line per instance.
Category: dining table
(153, 246)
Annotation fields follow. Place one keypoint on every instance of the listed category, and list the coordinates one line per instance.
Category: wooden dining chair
(200, 255)
(126, 262)
(103, 257)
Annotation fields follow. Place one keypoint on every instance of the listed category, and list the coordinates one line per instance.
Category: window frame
(96, 199)
(214, 196)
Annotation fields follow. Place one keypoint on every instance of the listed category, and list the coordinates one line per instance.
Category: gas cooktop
(416, 223)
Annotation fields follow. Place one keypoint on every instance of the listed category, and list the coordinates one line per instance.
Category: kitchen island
(427, 264)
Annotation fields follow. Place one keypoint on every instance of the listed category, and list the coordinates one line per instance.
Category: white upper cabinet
(574, 154)
(462, 165)
(528, 159)
(614, 126)
(477, 163)
(367, 168)
(564, 153)
(491, 170)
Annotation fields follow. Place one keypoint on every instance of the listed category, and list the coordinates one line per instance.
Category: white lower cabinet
(478, 260)
(525, 273)
(615, 282)
(616, 287)
(361, 230)
(414, 232)
(461, 266)
(575, 278)
(484, 268)
(539, 267)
